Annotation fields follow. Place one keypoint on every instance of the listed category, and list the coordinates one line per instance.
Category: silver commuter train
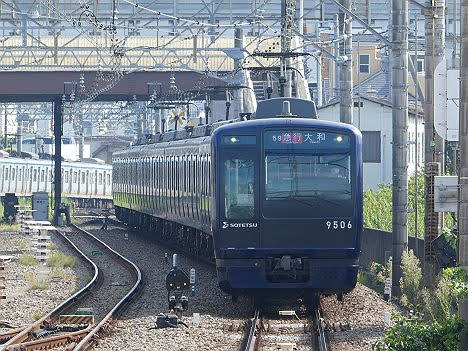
(81, 181)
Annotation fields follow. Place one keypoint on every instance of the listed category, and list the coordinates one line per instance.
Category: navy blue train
(275, 201)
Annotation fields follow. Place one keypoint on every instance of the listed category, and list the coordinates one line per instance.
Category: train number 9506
(339, 224)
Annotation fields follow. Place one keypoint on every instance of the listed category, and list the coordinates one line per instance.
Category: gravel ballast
(23, 304)
(357, 323)
(222, 321)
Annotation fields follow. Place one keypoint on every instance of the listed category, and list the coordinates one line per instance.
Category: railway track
(287, 330)
(112, 273)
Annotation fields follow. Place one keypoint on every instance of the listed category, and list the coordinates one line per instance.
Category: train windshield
(307, 174)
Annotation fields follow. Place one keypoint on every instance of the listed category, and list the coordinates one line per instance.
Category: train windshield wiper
(300, 198)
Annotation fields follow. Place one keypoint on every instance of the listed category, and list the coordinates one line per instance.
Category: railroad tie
(2, 278)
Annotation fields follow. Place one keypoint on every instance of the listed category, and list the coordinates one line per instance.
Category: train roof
(266, 110)
(279, 122)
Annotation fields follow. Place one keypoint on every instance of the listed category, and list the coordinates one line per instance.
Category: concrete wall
(377, 246)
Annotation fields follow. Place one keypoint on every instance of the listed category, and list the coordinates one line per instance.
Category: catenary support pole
(399, 67)
(416, 139)
(57, 159)
(434, 144)
(336, 52)
(463, 174)
(346, 72)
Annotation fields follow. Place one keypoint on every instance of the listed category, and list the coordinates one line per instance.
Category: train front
(288, 214)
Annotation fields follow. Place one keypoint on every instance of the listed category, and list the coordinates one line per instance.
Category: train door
(239, 198)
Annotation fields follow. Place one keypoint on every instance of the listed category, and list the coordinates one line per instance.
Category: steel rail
(81, 340)
(254, 332)
(118, 308)
(26, 332)
(322, 340)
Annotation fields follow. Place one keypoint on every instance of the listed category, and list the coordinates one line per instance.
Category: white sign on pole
(440, 99)
(446, 96)
(453, 94)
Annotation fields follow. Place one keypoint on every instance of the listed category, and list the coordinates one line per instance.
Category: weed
(5, 227)
(36, 316)
(362, 278)
(60, 260)
(28, 260)
(54, 247)
(411, 280)
(20, 245)
(36, 284)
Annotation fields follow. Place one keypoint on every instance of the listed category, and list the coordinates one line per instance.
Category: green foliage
(378, 207)
(363, 278)
(28, 260)
(411, 279)
(435, 325)
(458, 281)
(414, 334)
(60, 260)
(450, 236)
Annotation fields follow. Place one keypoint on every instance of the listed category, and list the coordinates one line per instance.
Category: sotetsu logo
(239, 225)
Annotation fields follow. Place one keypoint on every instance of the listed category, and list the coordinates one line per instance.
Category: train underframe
(250, 276)
(190, 240)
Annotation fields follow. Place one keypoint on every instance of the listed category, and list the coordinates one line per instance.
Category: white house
(375, 124)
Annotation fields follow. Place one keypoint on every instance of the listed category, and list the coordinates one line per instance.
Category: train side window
(43, 175)
(108, 179)
(20, 174)
(7, 173)
(66, 176)
(83, 177)
(35, 176)
(100, 178)
(239, 188)
(75, 177)
(13, 174)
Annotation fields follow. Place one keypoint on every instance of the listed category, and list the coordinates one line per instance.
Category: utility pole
(346, 73)
(288, 14)
(416, 138)
(454, 37)
(399, 66)
(463, 174)
(434, 144)
(336, 52)
(58, 113)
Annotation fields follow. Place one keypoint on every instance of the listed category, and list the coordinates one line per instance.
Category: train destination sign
(305, 139)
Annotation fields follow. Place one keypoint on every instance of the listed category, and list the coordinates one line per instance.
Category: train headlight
(234, 139)
(339, 138)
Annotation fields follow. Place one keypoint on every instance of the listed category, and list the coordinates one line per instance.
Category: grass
(54, 247)
(20, 244)
(28, 260)
(36, 284)
(5, 227)
(60, 260)
(36, 316)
